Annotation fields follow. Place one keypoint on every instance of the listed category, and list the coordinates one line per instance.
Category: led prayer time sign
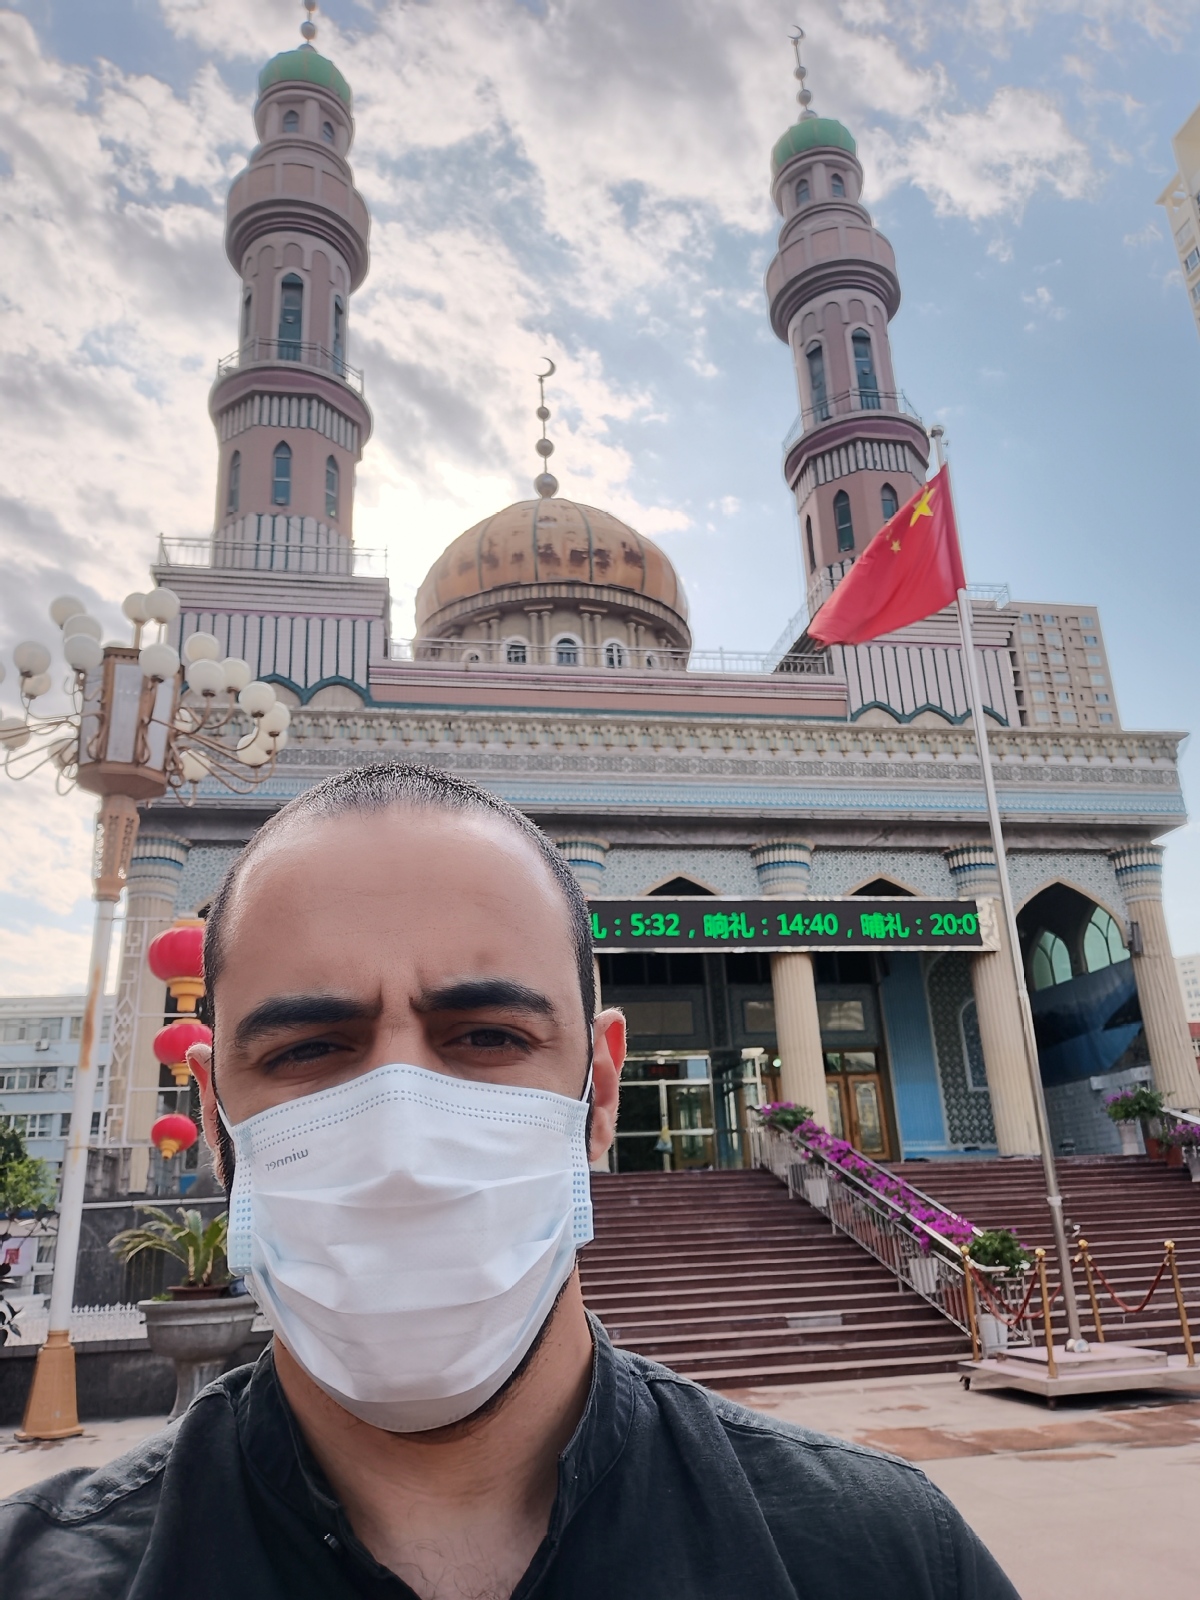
(726, 922)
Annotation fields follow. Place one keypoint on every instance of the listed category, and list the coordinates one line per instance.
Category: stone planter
(199, 1335)
(923, 1274)
(1191, 1156)
(1131, 1145)
(993, 1333)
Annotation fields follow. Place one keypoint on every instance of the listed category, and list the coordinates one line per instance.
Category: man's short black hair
(378, 787)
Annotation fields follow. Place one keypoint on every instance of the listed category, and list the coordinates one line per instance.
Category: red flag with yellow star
(911, 568)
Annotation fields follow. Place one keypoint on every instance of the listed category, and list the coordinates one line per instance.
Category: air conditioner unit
(41, 1044)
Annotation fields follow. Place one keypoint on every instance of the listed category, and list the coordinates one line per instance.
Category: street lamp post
(140, 723)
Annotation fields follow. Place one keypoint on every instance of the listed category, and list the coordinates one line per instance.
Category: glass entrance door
(665, 1114)
(856, 1111)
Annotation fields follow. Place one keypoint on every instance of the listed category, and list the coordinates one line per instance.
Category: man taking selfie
(407, 1083)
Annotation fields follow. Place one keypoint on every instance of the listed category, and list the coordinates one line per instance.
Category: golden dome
(549, 541)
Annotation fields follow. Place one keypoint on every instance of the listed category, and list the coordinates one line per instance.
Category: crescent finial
(552, 369)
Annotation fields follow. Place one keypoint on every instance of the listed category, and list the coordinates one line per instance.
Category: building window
(1094, 658)
(1048, 619)
(1091, 638)
(1088, 622)
(816, 382)
(339, 336)
(837, 184)
(1042, 716)
(1191, 261)
(1064, 696)
(234, 493)
(1106, 716)
(888, 501)
(1196, 293)
(803, 192)
(614, 654)
(291, 122)
(1068, 716)
(1102, 700)
(327, 132)
(516, 652)
(1039, 695)
(1037, 677)
(1032, 655)
(845, 524)
(1103, 945)
(1026, 616)
(247, 304)
(1057, 659)
(291, 316)
(1051, 961)
(281, 480)
(812, 554)
(331, 487)
(864, 371)
(566, 652)
(1097, 680)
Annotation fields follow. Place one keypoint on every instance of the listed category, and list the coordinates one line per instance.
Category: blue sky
(592, 181)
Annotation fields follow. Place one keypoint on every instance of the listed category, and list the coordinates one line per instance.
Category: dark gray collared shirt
(666, 1492)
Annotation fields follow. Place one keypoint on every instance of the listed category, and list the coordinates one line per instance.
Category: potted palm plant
(199, 1323)
(999, 1251)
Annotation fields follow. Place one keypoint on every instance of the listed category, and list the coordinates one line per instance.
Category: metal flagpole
(1075, 1340)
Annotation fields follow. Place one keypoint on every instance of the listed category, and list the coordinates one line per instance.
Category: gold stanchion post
(976, 1348)
(1183, 1320)
(1051, 1364)
(1085, 1257)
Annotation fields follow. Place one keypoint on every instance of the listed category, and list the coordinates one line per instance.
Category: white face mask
(407, 1233)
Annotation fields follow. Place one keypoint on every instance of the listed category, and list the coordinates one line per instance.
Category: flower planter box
(993, 1333)
(1131, 1145)
(816, 1192)
(199, 1335)
(923, 1273)
(1191, 1155)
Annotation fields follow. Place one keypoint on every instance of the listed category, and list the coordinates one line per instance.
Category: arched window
(281, 477)
(614, 654)
(812, 554)
(803, 193)
(516, 652)
(331, 487)
(291, 317)
(1103, 945)
(1051, 961)
(327, 132)
(247, 307)
(233, 493)
(339, 335)
(291, 122)
(844, 521)
(837, 184)
(888, 502)
(864, 371)
(816, 382)
(566, 652)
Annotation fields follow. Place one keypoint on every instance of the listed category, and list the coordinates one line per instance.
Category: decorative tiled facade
(968, 1110)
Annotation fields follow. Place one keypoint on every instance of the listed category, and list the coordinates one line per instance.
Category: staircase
(721, 1277)
(1125, 1208)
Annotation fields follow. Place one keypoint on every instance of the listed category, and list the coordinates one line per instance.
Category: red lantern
(177, 957)
(173, 1134)
(172, 1043)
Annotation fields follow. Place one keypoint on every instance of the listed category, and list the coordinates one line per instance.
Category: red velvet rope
(1130, 1311)
(997, 1308)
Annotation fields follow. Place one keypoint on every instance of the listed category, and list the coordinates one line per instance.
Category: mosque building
(554, 664)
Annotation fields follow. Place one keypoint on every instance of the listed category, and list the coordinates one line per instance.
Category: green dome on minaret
(807, 134)
(304, 65)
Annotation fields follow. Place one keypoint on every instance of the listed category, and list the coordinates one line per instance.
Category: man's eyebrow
(300, 1011)
(476, 994)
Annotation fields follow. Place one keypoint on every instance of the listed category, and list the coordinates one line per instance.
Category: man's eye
(300, 1054)
(490, 1039)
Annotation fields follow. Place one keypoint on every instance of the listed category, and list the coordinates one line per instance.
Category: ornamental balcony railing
(916, 1254)
(848, 403)
(270, 352)
(478, 653)
(340, 560)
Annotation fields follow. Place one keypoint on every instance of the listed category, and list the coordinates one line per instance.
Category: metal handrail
(850, 402)
(340, 559)
(301, 352)
(882, 1227)
(468, 653)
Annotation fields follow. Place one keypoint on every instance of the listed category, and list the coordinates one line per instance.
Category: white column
(1001, 1031)
(783, 867)
(1139, 872)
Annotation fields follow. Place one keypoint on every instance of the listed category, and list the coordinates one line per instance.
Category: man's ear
(608, 1057)
(199, 1058)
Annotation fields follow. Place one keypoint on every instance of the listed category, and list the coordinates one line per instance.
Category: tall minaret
(856, 453)
(287, 405)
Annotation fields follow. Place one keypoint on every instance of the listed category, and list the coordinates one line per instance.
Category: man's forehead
(392, 858)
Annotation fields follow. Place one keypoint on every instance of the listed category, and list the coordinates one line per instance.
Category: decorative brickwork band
(586, 859)
(784, 867)
(1139, 872)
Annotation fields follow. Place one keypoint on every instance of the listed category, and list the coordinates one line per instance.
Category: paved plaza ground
(1094, 1499)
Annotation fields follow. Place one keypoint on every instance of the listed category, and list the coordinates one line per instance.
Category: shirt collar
(286, 1470)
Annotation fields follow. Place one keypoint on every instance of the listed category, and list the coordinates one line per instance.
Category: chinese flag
(911, 568)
